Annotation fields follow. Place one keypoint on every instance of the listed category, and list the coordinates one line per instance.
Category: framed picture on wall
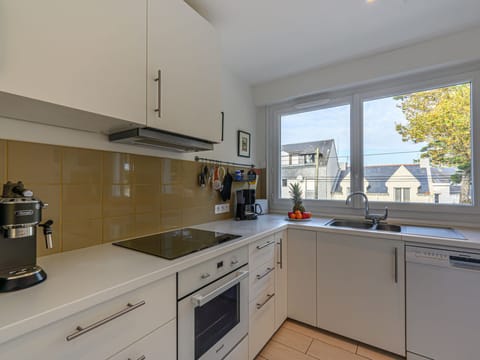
(243, 144)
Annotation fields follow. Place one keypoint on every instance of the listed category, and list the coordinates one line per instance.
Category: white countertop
(83, 278)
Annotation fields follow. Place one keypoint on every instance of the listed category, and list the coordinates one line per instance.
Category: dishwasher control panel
(440, 257)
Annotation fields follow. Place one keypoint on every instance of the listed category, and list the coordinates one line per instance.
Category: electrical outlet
(222, 208)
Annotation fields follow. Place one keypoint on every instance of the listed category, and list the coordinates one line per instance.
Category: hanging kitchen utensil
(201, 178)
(218, 176)
(226, 191)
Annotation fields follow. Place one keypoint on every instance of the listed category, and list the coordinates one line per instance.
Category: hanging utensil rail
(223, 162)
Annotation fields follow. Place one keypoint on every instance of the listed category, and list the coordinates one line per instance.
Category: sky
(380, 136)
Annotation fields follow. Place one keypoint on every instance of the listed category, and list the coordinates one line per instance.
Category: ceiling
(263, 40)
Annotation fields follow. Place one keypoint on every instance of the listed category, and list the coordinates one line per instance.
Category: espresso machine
(20, 214)
(245, 205)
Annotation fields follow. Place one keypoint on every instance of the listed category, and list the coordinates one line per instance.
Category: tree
(441, 119)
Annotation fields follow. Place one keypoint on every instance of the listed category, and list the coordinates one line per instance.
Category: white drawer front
(108, 338)
(262, 251)
(262, 321)
(240, 352)
(161, 344)
(261, 278)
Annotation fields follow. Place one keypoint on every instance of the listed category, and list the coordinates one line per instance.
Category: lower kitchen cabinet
(262, 321)
(361, 289)
(280, 278)
(301, 276)
(106, 328)
(161, 344)
(267, 290)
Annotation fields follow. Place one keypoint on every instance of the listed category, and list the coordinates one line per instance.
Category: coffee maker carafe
(245, 205)
(20, 213)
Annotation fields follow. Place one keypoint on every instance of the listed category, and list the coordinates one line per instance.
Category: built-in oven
(213, 317)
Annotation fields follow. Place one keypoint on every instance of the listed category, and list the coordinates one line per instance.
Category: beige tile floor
(296, 341)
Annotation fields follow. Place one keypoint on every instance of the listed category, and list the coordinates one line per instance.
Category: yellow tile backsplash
(98, 196)
(34, 163)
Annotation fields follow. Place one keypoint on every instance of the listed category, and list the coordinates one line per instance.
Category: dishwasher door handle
(461, 262)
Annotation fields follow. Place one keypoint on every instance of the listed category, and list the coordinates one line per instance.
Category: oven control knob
(205, 276)
(234, 261)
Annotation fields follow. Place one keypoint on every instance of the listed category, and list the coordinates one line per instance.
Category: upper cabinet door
(88, 55)
(184, 57)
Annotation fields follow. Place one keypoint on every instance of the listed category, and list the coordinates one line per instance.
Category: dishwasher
(442, 303)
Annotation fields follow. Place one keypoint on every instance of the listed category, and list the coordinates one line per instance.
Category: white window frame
(431, 213)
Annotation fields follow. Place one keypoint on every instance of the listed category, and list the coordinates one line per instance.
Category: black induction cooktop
(174, 244)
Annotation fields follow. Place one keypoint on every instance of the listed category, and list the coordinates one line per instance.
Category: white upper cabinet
(87, 55)
(183, 53)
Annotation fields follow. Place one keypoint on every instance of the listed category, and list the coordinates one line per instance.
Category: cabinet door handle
(280, 255)
(268, 271)
(265, 245)
(140, 358)
(83, 330)
(396, 265)
(269, 296)
(223, 123)
(158, 110)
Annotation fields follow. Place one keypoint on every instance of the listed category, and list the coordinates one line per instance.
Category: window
(315, 151)
(408, 143)
(424, 144)
(402, 194)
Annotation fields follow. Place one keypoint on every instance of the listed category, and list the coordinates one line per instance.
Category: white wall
(239, 114)
(444, 51)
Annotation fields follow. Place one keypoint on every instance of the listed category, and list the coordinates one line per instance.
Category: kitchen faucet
(376, 218)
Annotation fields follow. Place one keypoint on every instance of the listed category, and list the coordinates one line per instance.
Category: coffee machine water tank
(245, 205)
(20, 214)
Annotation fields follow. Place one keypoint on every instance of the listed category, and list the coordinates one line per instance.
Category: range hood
(160, 139)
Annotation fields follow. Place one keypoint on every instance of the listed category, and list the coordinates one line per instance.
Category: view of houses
(315, 166)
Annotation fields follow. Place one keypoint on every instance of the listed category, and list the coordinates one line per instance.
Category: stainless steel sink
(350, 223)
(365, 225)
(388, 227)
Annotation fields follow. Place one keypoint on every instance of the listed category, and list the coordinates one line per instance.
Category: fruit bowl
(299, 216)
(299, 220)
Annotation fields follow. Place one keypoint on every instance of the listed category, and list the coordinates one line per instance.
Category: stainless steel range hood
(160, 139)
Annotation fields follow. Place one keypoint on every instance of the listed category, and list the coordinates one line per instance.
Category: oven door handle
(200, 300)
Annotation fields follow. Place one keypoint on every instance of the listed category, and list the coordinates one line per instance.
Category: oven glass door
(216, 318)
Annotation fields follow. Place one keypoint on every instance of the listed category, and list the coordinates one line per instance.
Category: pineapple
(296, 196)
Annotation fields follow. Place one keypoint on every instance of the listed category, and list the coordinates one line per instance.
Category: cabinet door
(361, 289)
(88, 55)
(161, 344)
(280, 278)
(301, 276)
(183, 53)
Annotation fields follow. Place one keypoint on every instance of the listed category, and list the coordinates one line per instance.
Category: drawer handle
(265, 245)
(83, 330)
(269, 270)
(140, 358)
(269, 297)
